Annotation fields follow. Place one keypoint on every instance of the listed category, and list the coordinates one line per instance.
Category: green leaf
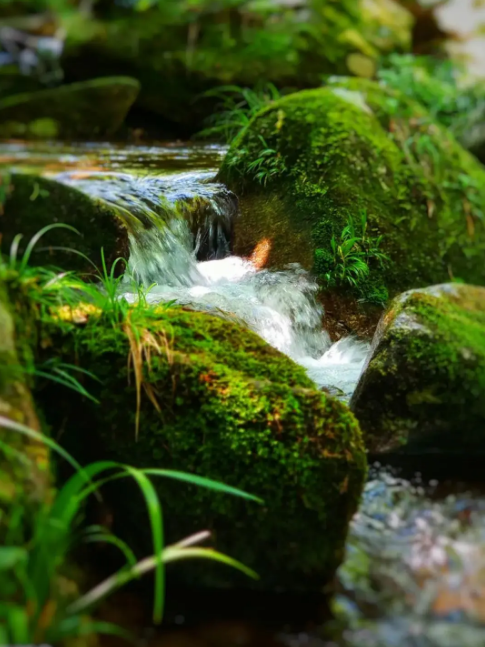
(201, 481)
(12, 556)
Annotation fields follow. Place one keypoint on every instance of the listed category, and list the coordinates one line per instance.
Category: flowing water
(415, 571)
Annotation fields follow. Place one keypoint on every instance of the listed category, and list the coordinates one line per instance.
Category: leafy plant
(267, 165)
(32, 607)
(236, 109)
(352, 253)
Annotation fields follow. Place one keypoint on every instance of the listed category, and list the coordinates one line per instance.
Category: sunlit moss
(352, 148)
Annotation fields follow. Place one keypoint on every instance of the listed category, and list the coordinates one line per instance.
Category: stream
(415, 569)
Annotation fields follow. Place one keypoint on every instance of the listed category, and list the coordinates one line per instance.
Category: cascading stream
(185, 217)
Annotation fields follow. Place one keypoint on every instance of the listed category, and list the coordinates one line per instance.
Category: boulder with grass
(422, 389)
(190, 391)
(358, 184)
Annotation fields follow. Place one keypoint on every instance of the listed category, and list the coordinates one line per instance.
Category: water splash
(180, 239)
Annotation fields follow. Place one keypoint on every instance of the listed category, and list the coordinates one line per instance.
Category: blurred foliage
(440, 86)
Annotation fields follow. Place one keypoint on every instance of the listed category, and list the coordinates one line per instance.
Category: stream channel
(414, 575)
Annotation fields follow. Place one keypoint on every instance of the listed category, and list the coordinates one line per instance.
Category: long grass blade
(156, 521)
(35, 239)
(14, 249)
(177, 553)
(66, 380)
(74, 626)
(201, 481)
(98, 534)
(42, 438)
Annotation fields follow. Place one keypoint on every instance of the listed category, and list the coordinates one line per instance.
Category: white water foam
(280, 306)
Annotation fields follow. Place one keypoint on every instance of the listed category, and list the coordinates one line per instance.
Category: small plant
(268, 164)
(35, 551)
(349, 261)
(236, 109)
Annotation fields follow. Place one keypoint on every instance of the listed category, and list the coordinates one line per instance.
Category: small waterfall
(152, 201)
(180, 240)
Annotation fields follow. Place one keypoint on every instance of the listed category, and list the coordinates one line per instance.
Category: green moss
(352, 148)
(425, 380)
(91, 109)
(231, 408)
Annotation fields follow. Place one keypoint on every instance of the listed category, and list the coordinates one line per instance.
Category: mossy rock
(25, 478)
(229, 407)
(316, 160)
(178, 53)
(94, 108)
(33, 202)
(423, 386)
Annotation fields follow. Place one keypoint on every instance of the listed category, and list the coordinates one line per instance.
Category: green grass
(352, 255)
(236, 107)
(36, 551)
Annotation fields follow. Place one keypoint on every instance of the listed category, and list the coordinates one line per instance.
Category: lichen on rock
(422, 388)
(25, 471)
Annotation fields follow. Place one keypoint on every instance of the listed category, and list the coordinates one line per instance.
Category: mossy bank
(356, 161)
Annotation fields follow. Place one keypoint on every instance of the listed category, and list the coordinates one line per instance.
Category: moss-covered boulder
(216, 400)
(178, 50)
(359, 184)
(94, 108)
(423, 386)
(32, 202)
